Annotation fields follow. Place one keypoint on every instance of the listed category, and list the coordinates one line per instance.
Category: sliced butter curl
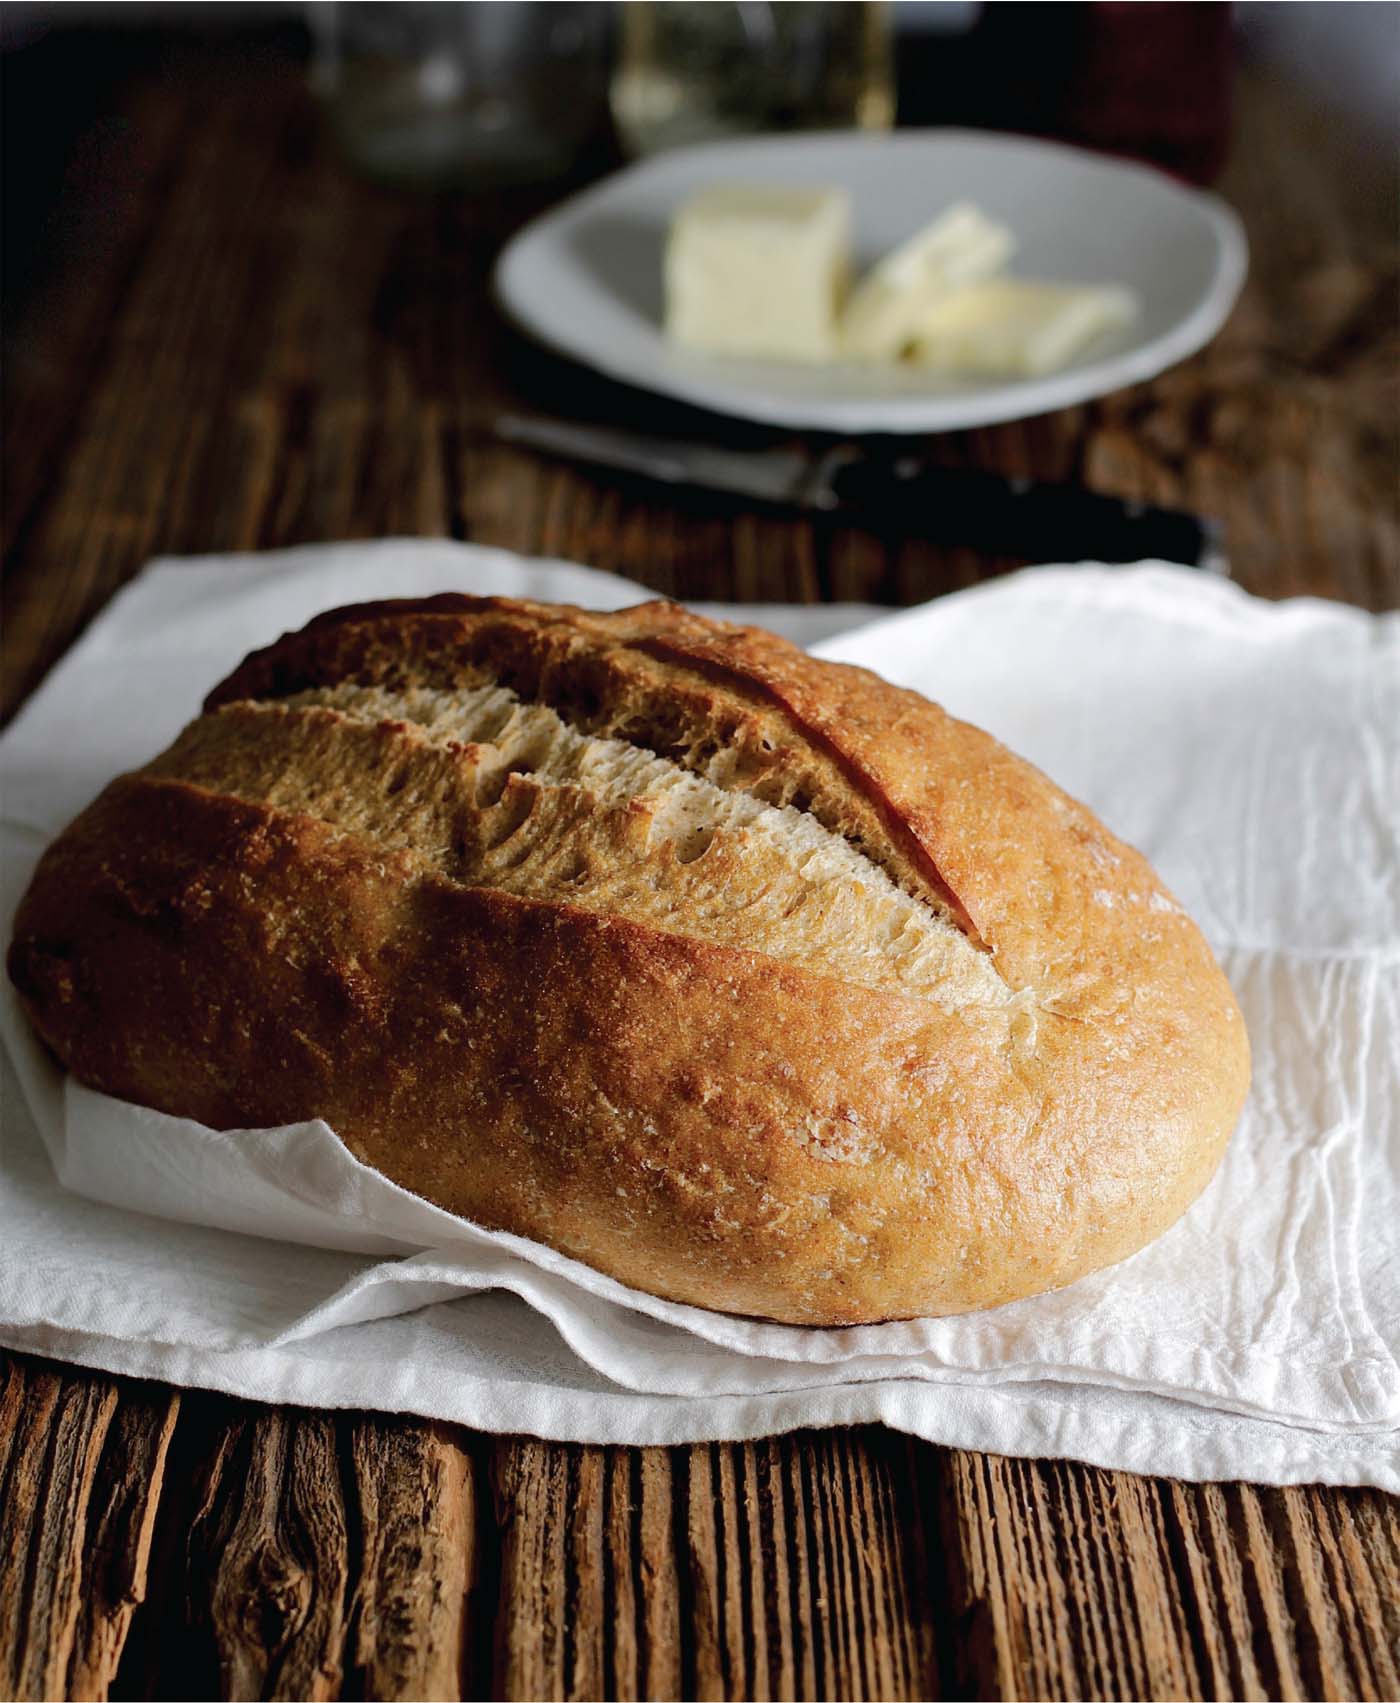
(1017, 328)
(886, 309)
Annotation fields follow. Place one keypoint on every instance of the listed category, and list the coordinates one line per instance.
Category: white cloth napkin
(1250, 749)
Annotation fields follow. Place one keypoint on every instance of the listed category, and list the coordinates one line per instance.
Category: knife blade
(946, 505)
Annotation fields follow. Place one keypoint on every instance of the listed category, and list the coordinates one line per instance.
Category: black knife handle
(1018, 517)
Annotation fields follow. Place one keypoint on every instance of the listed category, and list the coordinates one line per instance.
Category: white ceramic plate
(586, 277)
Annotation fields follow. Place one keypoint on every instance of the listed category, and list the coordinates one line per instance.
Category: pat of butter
(1010, 327)
(885, 311)
(758, 271)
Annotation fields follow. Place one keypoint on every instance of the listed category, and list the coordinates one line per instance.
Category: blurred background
(479, 97)
(248, 248)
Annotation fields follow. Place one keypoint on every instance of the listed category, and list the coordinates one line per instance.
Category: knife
(946, 505)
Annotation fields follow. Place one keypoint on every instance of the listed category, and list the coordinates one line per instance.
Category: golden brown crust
(703, 1121)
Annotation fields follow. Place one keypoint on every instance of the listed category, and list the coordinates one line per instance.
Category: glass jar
(456, 94)
(689, 73)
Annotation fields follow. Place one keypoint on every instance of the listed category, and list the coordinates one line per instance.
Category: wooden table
(223, 341)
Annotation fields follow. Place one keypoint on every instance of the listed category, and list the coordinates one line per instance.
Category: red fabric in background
(1151, 81)
(1154, 81)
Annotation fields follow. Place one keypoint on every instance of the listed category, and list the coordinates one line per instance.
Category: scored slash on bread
(652, 674)
(558, 815)
(751, 980)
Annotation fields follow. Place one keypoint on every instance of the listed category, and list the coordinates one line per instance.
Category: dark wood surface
(217, 339)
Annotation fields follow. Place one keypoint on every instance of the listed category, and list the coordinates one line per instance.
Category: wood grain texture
(119, 1530)
(414, 1544)
(230, 343)
(304, 1555)
(269, 1556)
(81, 1471)
(1073, 1582)
(53, 1429)
(781, 1568)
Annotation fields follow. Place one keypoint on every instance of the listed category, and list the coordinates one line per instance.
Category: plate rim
(961, 411)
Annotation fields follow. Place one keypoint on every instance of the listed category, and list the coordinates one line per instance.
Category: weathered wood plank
(1339, 1566)
(797, 1568)
(784, 1568)
(53, 1425)
(1070, 1582)
(81, 1467)
(415, 1559)
(268, 1559)
(532, 1487)
(120, 1527)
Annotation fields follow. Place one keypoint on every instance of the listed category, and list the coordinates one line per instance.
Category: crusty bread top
(1027, 874)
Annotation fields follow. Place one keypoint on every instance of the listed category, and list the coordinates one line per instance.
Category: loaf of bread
(750, 980)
